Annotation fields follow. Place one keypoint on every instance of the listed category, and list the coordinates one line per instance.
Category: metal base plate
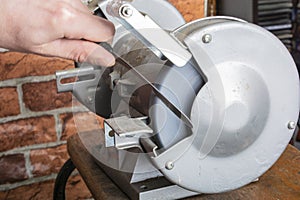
(154, 188)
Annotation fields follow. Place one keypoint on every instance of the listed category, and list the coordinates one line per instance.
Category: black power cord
(61, 180)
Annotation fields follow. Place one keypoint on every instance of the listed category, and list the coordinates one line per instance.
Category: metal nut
(169, 165)
(291, 125)
(126, 11)
(207, 38)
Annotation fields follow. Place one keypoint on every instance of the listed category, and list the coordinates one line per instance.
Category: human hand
(63, 28)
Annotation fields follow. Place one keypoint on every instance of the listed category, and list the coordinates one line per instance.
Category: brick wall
(35, 122)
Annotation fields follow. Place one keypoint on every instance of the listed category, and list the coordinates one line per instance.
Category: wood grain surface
(282, 181)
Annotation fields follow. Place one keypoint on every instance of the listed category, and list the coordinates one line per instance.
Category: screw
(291, 125)
(111, 133)
(90, 99)
(126, 11)
(207, 38)
(169, 165)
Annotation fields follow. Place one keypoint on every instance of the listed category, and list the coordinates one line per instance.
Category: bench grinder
(201, 107)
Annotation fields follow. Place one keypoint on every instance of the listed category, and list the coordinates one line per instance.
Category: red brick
(16, 65)
(190, 9)
(48, 161)
(26, 132)
(85, 121)
(75, 190)
(43, 96)
(9, 102)
(12, 168)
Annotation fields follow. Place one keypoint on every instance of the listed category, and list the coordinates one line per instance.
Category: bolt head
(291, 125)
(207, 38)
(126, 11)
(90, 99)
(169, 165)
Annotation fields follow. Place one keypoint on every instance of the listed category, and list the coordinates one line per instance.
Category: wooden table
(282, 181)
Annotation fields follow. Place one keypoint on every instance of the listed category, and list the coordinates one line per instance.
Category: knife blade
(180, 114)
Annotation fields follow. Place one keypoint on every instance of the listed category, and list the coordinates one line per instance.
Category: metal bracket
(150, 33)
(87, 72)
(124, 132)
(87, 83)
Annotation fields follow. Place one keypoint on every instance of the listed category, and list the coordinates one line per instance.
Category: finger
(79, 5)
(79, 51)
(86, 26)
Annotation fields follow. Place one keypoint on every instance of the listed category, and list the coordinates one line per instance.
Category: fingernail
(109, 60)
(101, 58)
